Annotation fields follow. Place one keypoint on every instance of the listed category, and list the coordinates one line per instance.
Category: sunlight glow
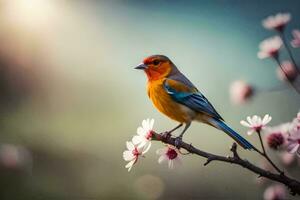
(30, 14)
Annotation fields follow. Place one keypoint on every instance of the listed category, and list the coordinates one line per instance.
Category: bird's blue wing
(189, 97)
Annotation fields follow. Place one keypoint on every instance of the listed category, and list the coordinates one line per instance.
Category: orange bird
(176, 97)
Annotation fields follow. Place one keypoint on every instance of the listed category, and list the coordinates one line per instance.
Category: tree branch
(292, 184)
(264, 153)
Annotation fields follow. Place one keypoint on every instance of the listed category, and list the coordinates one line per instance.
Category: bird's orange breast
(165, 104)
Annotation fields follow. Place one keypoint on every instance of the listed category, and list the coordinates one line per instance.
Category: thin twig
(290, 82)
(261, 142)
(264, 153)
(281, 34)
(292, 184)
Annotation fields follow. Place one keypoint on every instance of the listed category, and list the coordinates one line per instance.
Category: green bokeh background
(87, 99)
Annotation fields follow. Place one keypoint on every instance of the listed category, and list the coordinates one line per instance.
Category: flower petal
(147, 124)
(129, 145)
(244, 123)
(140, 131)
(262, 55)
(144, 124)
(128, 156)
(137, 139)
(250, 132)
(170, 164)
(142, 145)
(292, 147)
(267, 118)
(298, 151)
(130, 164)
(255, 119)
(151, 124)
(249, 119)
(161, 159)
(146, 147)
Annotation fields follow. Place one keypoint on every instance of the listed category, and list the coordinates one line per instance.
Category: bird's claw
(166, 135)
(178, 142)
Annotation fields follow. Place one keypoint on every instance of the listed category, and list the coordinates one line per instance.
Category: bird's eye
(156, 62)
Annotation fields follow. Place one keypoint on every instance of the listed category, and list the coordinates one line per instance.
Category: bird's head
(156, 67)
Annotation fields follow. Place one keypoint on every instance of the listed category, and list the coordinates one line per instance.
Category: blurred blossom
(296, 41)
(283, 128)
(169, 154)
(286, 128)
(275, 192)
(275, 140)
(285, 135)
(295, 125)
(133, 153)
(15, 157)
(294, 142)
(240, 92)
(287, 158)
(255, 123)
(269, 47)
(290, 72)
(277, 22)
(144, 134)
(150, 186)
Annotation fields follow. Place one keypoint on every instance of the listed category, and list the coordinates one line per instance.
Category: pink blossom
(290, 132)
(287, 158)
(240, 92)
(275, 192)
(295, 125)
(293, 145)
(132, 153)
(169, 154)
(275, 140)
(277, 136)
(296, 41)
(277, 22)
(269, 47)
(290, 72)
(256, 123)
(144, 133)
(294, 136)
(284, 129)
(294, 142)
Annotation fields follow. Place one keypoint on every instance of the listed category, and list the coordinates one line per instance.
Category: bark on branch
(292, 184)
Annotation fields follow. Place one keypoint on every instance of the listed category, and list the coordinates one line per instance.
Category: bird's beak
(141, 66)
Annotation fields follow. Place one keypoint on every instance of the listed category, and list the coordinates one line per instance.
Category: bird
(174, 95)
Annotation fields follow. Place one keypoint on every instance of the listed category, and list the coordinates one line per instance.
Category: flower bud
(275, 140)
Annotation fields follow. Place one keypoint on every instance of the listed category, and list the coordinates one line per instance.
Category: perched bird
(176, 97)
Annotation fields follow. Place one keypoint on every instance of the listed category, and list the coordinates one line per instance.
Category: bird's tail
(237, 137)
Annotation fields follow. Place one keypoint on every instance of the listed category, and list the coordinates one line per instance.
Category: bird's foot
(166, 135)
(178, 142)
